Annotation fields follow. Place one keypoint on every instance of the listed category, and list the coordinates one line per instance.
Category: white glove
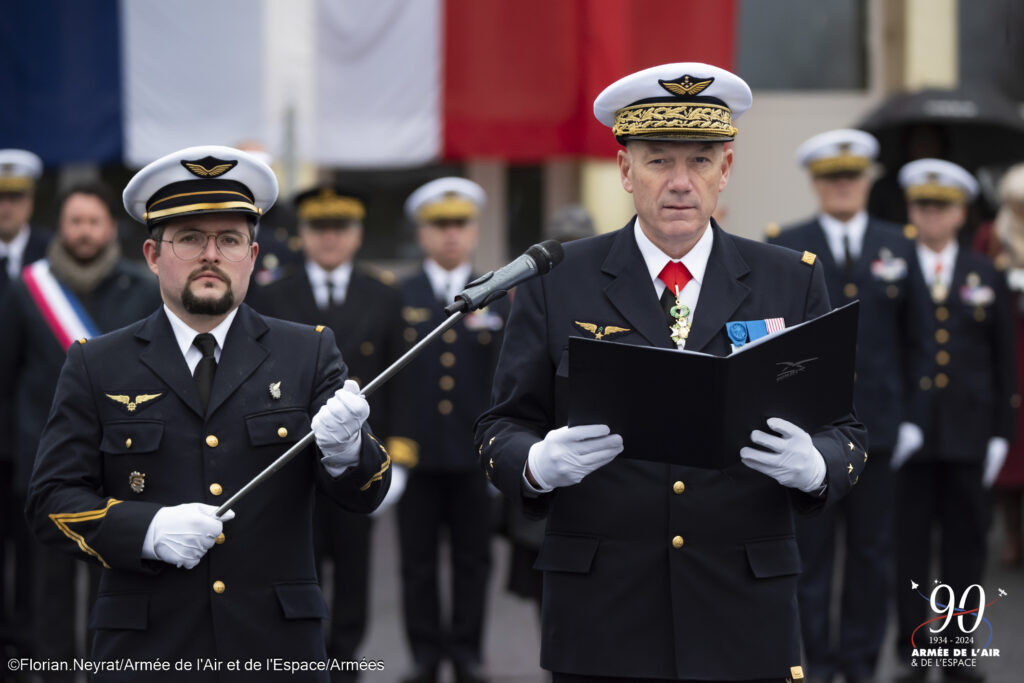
(181, 534)
(994, 459)
(338, 428)
(908, 442)
(795, 462)
(399, 475)
(568, 454)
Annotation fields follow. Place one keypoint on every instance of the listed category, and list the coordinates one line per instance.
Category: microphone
(538, 260)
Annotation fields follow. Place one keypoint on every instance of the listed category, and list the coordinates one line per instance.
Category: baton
(305, 441)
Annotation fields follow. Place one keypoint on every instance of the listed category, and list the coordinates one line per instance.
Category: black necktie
(331, 301)
(3, 269)
(848, 263)
(206, 368)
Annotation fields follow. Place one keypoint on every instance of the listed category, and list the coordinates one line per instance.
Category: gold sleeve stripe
(380, 474)
(63, 519)
(404, 452)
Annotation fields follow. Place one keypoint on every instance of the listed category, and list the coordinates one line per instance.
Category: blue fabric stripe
(60, 75)
(76, 306)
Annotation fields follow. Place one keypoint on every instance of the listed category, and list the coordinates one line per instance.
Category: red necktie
(674, 275)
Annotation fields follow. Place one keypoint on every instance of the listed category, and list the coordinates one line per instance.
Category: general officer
(364, 313)
(972, 394)
(153, 425)
(82, 287)
(20, 245)
(433, 436)
(656, 571)
(870, 260)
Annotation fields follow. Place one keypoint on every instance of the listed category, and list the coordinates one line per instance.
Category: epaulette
(808, 258)
(319, 328)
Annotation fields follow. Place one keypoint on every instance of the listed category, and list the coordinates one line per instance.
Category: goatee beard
(197, 306)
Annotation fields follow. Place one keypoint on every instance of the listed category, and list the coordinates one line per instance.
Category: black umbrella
(972, 127)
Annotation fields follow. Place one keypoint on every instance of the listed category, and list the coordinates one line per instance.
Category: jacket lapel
(242, 354)
(631, 291)
(721, 293)
(165, 359)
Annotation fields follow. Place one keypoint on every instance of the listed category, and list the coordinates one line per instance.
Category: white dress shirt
(15, 252)
(836, 229)
(695, 260)
(185, 335)
(339, 279)
(931, 262)
(447, 283)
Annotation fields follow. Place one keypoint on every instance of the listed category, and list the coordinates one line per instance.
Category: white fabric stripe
(192, 75)
(62, 310)
(378, 81)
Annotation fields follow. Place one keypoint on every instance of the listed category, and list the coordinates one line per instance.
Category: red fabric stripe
(29, 278)
(520, 76)
(774, 324)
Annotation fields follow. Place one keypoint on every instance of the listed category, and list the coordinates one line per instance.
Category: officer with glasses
(154, 425)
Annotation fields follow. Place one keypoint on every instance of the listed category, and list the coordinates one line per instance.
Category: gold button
(679, 487)
(216, 489)
(942, 358)
(410, 334)
(447, 382)
(677, 542)
(979, 314)
(892, 291)
(366, 348)
(850, 290)
(282, 432)
(212, 441)
(484, 337)
(941, 380)
(447, 359)
(449, 336)
(444, 407)
(926, 383)
(128, 442)
(220, 538)
(941, 313)
(219, 587)
(941, 336)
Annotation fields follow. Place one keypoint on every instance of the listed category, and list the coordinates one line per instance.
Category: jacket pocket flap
(773, 557)
(132, 436)
(278, 426)
(565, 553)
(123, 611)
(301, 600)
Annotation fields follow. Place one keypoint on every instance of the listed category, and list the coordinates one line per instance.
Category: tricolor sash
(60, 308)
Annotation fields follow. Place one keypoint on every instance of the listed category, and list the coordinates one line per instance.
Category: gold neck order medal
(680, 329)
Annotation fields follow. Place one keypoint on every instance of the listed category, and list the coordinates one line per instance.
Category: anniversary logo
(959, 636)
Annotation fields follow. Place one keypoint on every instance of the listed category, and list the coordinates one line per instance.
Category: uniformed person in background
(364, 313)
(20, 244)
(971, 387)
(444, 390)
(867, 259)
(654, 570)
(82, 287)
(156, 424)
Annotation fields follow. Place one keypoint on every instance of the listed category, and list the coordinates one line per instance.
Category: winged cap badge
(127, 401)
(685, 86)
(209, 167)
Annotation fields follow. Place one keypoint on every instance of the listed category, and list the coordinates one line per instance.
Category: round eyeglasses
(188, 245)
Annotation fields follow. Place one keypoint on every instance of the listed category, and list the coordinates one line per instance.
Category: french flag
(353, 83)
